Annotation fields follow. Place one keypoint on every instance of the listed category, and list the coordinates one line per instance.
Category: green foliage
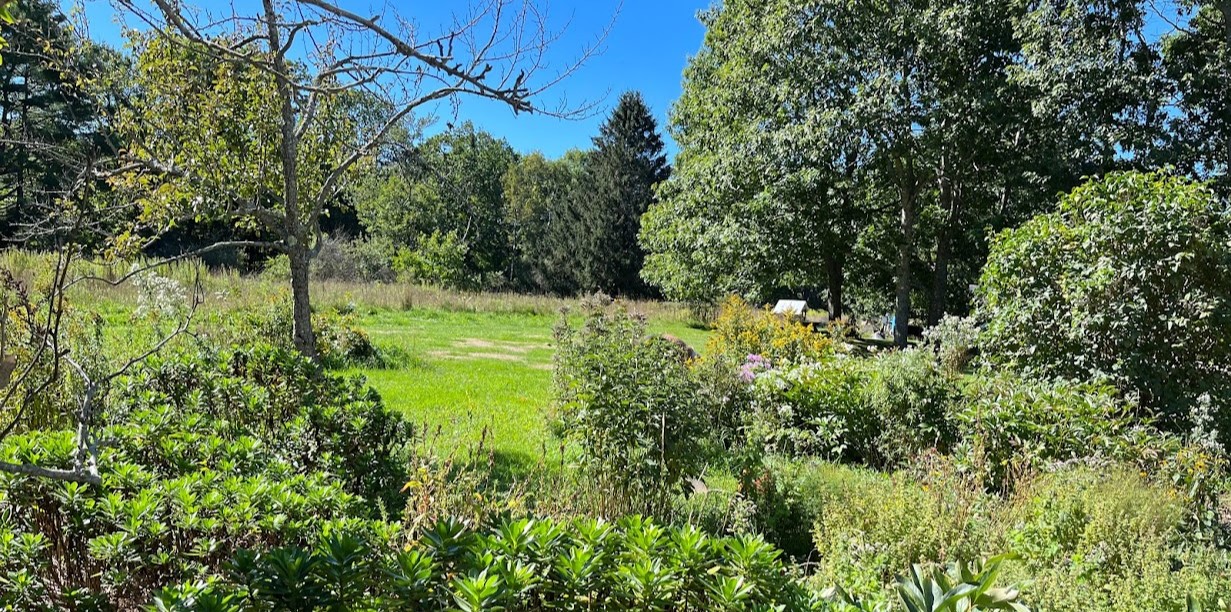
(54, 92)
(341, 260)
(1099, 539)
(1128, 280)
(217, 122)
(204, 455)
(880, 411)
(340, 342)
(628, 401)
(956, 341)
(447, 189)
(1012, 425)
(1197, 58)
(869, 527)
(437, 259)
(317, 421)
(539, 199)
(517, 565)
(959, 587)
(740, 330)
(628, 161)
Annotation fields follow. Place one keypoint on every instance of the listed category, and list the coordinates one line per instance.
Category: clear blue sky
(646, 50)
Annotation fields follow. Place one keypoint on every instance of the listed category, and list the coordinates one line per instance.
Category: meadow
(470, 373)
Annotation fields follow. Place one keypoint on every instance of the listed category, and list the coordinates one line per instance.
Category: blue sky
(646, 50)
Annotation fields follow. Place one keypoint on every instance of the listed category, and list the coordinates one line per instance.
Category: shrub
(1013, 426)
(201, 455)
(741, 330)
(1107, 539)
(438, 259)
(180, 494)
(1130, 280)
(340, 342)
(629, 402)
(340, 259)
(956, 341)
(518, 565)
(314, 420)
(868, 527)
(727, 398)
(880, 411)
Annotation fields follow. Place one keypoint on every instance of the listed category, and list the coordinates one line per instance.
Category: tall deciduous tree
(621, 173)
(1197, 57)
(538, 193)
(894, 131)
(448, 184)
(259, 136)
(763, 193)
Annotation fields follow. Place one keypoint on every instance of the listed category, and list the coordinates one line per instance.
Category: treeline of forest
(859, 153)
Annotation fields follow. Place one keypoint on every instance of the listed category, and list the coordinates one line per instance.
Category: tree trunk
(304, 337)
(834, 265)
(295, 235)
(950, 200)
(940, 279)
(906, 242)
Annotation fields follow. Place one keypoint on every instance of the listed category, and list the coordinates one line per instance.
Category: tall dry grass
(226, 289)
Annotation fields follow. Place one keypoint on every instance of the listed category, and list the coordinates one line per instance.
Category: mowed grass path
(471, 371)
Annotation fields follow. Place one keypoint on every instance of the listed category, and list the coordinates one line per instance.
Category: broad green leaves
(1129, 281)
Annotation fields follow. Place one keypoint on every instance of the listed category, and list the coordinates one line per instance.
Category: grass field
(471, 371)
(476, 361)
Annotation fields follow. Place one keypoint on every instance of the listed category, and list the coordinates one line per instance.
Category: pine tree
(621, 173)
(44, 105)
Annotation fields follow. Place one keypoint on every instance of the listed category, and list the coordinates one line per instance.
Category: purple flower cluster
(752, 365)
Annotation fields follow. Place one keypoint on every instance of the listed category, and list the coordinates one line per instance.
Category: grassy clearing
(477, 361)
(470, 372)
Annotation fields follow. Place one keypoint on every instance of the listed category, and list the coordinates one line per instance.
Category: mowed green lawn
(471, 372)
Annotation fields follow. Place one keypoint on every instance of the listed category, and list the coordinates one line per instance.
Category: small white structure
(792, 309)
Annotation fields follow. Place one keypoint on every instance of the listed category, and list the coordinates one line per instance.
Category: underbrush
(860, 467)
(1084, 538)
(202, 455)
(520, 564)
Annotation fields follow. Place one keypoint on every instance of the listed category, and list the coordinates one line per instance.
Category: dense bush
(1012, 426)
(868, 526)
(1088, 538)
(200, 457)
(438, 259)
(314, 420)
(880, 411)
(180, 494)
(628, 400)
(340, 342)
(741, 330)
(1129, 280)
(518, 565)
(340, 259)
(1107, 539)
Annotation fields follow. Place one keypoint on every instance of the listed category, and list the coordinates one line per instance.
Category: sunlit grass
(467, 372)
